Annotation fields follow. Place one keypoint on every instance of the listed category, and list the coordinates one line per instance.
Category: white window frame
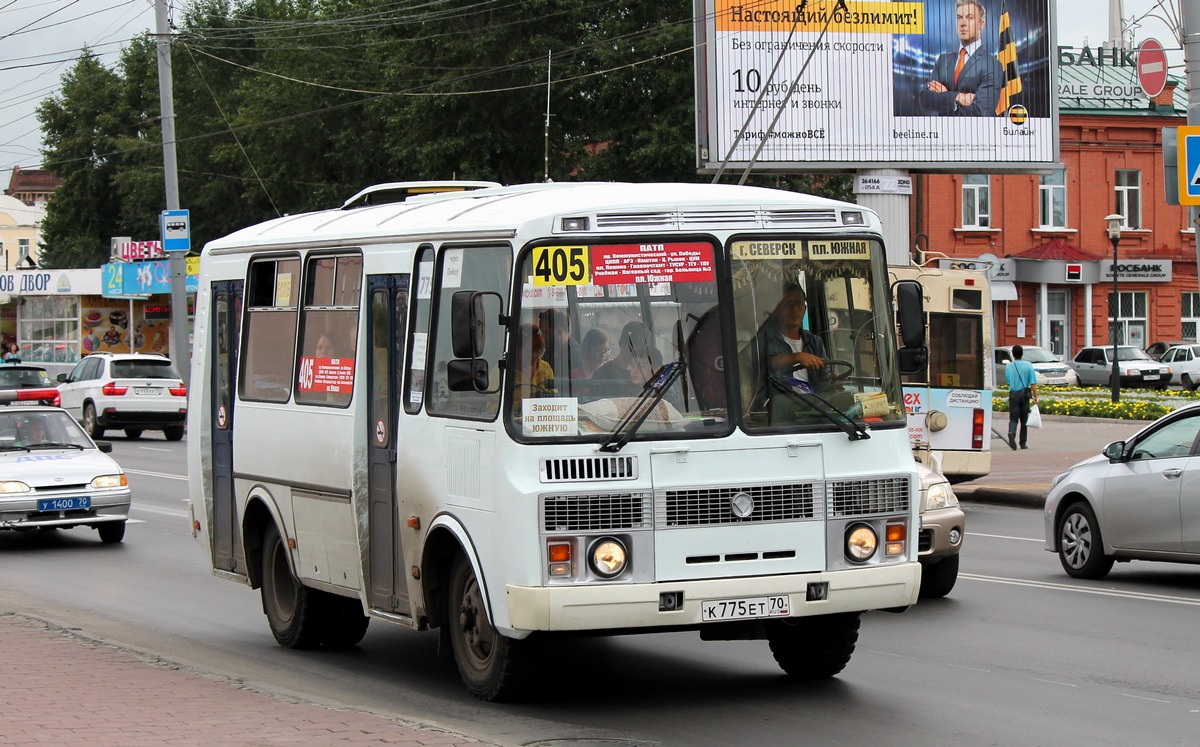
(1128, 192)
(49, 329)
(1133, 314)
(1190, 315)
(976, 201)
(1052, 191)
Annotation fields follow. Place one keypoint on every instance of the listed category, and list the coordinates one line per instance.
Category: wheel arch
(446, 540)
(261, 513)
(1070, 499)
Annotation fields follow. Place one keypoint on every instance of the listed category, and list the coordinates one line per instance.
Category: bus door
(386, 328)
(226, 326)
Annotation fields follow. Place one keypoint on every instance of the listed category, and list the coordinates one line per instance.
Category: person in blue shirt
(1022, 393)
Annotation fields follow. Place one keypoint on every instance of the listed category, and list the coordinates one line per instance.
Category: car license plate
(151, 390)
(1150, 377)
(744, 609)
(64, 504)
(1056, 382)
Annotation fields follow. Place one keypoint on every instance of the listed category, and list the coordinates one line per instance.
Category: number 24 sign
(561, 265)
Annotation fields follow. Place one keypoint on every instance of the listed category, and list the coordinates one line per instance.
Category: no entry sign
(1152, 67)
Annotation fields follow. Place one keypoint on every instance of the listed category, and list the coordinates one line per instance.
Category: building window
(22, 250)
(1053, 191)
(1133, 326)
(49, 329)
(976, 210)
(1191, 315)
(1129, 198)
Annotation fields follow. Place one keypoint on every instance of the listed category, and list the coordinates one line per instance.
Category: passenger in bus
(325, 348)
(595, 351)
(636, 363)
(533, 376)
(563, 352)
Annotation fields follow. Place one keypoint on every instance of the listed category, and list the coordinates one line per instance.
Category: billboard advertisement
(939, 85)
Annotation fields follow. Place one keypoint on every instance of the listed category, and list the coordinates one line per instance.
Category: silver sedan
(1138, 500)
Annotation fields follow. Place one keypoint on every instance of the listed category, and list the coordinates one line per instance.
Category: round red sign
(1152, 67)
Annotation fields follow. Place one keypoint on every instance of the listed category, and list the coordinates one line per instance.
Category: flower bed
(1095, 402)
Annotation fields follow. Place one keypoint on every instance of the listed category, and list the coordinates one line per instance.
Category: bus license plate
(64, 504)
(745, 609)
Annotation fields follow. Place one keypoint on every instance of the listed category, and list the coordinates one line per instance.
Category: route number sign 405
(561, 265)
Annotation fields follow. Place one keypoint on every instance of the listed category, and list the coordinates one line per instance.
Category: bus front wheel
(491, 665)
(814, 648)
(292, 610)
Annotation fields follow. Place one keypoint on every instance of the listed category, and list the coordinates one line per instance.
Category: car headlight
(608, 557)
(13, 486)
(109, 481)
(1054, 483)
(939, 495)
(861, 542)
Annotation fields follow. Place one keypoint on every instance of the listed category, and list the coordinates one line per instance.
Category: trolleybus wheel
(814, 648)
(491, 665)
(292, 610)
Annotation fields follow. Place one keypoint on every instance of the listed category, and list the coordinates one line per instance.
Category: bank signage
(1139, 270)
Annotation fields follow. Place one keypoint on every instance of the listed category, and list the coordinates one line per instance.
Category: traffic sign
(1188, 157)
(176, 230)
(1152, 67)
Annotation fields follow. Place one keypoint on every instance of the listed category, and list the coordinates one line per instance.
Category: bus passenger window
(272, 295)
(329, 320)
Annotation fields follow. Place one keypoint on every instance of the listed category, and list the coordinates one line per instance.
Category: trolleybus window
(271, 308)
(329, 321)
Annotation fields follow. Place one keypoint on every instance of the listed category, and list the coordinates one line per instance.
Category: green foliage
(1095, 402)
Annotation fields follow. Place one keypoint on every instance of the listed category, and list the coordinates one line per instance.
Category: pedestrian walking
(1022, 393)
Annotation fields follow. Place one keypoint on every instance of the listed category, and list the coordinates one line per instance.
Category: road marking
(973, 669)
(1053, 682)
(161, 511)
(1083, 590)
(1004, 537)
(163, 475)
(1143, 697)
(152, 448)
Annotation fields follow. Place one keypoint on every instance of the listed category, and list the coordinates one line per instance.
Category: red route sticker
(685, 262)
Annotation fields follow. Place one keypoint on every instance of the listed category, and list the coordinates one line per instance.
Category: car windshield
(15, 378)
(1132, 354)
(143, 370)
(1039, 355)
(33, 429)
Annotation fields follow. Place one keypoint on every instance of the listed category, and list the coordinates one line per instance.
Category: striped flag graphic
(1008, 59)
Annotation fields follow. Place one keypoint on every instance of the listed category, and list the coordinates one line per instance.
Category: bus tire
(814, 648)
(937, 579)
(490, 664)
(346, 624)
(293, 611)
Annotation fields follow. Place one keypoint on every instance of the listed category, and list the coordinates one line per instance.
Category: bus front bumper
(616, 606)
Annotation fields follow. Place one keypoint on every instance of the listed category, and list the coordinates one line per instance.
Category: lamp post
(1114, 222)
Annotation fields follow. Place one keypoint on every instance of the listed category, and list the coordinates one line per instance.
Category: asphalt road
(1017, 654)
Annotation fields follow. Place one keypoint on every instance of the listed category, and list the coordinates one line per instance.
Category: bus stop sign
(176, 230)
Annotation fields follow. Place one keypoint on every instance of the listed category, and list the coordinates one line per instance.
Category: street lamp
(1114, 222)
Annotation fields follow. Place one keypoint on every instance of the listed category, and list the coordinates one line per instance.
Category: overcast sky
(39, 40)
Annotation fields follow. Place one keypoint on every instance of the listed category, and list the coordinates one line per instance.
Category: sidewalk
(1023, 477)
(63, 689)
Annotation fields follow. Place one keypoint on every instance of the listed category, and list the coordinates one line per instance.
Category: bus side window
(272, 300)
(477, 269)
(329, 320)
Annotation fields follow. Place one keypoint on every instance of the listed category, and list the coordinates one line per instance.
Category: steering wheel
(836, 362)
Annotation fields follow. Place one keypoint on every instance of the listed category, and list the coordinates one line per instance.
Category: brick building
(1046, 236)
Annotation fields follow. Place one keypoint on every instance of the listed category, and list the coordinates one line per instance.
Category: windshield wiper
(652, 393)
(790, 387)
(53, 445)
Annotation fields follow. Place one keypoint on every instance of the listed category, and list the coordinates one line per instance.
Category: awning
(1004, 290)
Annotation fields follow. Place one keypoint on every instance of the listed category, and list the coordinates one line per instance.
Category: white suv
(131, 391)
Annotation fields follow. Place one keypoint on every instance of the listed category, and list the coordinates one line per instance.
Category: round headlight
(608, 557)
(861, 542)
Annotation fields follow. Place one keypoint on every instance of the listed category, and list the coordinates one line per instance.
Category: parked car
(132, 391)
(69, 481)
(1093, 365)
(1050, 369)
(24, 379)
(1135, 501)
(1184, 361)
(1157, 350)
(943, 526)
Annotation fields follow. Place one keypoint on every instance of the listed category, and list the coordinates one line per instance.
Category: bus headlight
(861, 542)
(608, 557)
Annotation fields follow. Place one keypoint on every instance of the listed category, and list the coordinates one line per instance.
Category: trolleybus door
(386, 328)
(226, 326)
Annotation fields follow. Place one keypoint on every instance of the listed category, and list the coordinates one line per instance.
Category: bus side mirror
(467, 375)
(910, 312)
(466, 324)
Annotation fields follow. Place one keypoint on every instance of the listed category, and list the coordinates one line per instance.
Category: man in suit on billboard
(966, 82)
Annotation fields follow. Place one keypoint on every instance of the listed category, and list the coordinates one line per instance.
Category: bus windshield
(597, 358)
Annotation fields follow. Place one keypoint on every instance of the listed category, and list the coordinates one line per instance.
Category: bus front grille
(887, 495)
(598, 512)
(708, 506)
(580, 469)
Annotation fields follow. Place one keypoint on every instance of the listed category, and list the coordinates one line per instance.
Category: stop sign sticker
(1152, 67)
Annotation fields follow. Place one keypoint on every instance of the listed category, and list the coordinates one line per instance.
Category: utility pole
(180, 348)
(1190, 10)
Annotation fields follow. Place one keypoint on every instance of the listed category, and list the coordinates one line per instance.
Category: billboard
(939, 85)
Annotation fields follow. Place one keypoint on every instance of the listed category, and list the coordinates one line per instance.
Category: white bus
(949, 401)
(550, 408)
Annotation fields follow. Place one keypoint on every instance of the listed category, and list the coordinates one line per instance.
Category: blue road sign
(176, 230)
(1189, 165)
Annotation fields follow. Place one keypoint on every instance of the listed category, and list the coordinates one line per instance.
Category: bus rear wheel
(814, 648)
(293, 611)
(491, 665)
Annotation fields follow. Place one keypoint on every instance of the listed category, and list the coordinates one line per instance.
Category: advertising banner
(933, 85)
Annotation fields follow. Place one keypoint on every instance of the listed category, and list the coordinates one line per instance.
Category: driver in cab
(788, 348)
